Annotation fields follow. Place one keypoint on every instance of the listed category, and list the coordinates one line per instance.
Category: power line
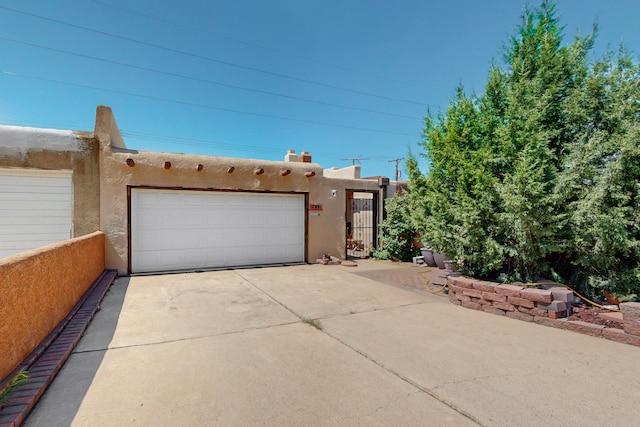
(216, 144)
(174, 140)
(197, 105)
(200, 80)
(246, 43)
(196, 142)
(206, 58)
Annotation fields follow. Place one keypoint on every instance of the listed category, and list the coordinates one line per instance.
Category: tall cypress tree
(541, 173)
(494, 159)
(601, 183)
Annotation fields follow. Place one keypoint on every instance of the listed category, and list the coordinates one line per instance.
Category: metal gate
(361, 221)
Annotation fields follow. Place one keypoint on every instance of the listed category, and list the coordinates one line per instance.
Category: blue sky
(245, 78)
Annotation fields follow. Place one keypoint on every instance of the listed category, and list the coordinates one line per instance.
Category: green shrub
(396, 231)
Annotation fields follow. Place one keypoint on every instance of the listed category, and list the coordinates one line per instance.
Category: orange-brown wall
(37, 290)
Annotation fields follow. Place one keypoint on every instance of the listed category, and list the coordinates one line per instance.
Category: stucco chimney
(305, 157)
(291, 156)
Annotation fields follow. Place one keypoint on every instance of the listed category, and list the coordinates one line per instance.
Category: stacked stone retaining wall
(549, 306)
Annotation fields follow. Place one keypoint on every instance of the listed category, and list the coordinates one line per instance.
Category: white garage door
(187, 230)
(36, 209)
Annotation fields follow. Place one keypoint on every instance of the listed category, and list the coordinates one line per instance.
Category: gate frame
(375, 215)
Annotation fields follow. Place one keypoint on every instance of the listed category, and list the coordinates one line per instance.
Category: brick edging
(548, 307)
(46, 360)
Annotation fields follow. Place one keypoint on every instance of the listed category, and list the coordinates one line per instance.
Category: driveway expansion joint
(412, 383)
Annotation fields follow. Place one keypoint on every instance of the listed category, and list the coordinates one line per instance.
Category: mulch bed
(589, 314)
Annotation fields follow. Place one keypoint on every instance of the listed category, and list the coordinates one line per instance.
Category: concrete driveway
(324, 345)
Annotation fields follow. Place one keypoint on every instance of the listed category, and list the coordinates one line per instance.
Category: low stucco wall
(37, 290)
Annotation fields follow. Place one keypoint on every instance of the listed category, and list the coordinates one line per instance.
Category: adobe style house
(168, 211)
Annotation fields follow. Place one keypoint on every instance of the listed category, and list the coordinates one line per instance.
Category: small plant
(313, 322)
(19, 379)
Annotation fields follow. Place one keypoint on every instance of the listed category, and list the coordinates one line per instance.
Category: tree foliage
(540, 174)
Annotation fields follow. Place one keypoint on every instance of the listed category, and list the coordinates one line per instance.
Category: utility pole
(355, 159)
(397, 170)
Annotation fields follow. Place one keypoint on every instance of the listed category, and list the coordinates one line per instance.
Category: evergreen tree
(601, 182)
(540, 173)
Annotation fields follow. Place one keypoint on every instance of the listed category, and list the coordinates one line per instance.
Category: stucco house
(168, 211)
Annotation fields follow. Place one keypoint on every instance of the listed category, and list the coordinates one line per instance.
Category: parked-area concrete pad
(319, 345)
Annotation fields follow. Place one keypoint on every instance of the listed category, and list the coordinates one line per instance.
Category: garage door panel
(178, 229)
(10, 195)
(239, 219)
(36, 208)
(36, 184)
(36, 216)
(36, 205)
(14, 231)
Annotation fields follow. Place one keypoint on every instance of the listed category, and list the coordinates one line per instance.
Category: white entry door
(187, 230)
(36, 208)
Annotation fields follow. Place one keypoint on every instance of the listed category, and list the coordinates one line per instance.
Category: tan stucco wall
(81, 158)
(325, 234)
(352, 172)
(37, 290)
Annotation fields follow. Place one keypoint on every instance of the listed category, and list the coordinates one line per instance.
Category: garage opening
(191, 229)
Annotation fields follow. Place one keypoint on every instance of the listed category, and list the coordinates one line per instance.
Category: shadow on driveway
(63, 400)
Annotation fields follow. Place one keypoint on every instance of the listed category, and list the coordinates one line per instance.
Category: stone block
(584, 327)
(562, 294)
(618, 335)
(631, 317)
(556, 314)
(519, 315)
(492, 309)
(632, 328)
(546, 321)
(453, 288)
(537, 295)
(472, 293)
(509, 290)
(504, 306)
(538, 312)
(492, 296)
(485, 286)
(553, 306)
(461, 281)
(630, 307)
(521, 302)
(453, 298)
(473, 305)
(463, 298)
